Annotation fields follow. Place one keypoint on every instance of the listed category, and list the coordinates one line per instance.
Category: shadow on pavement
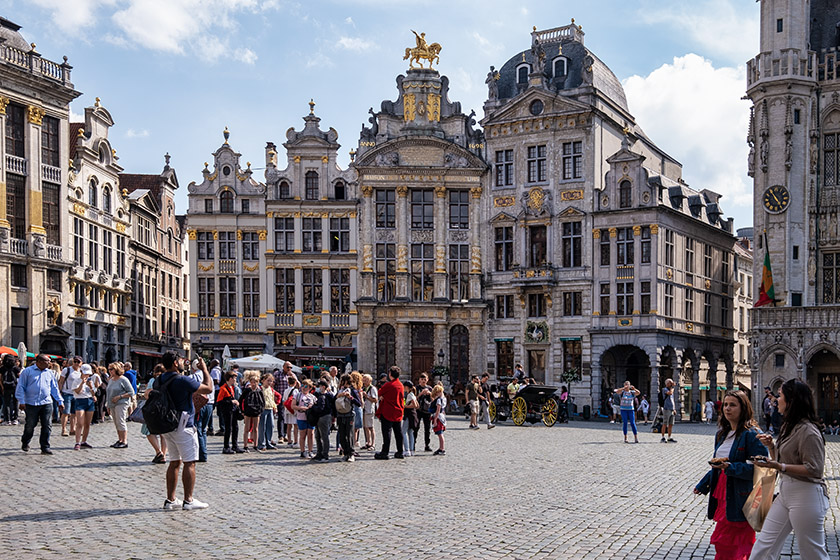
(76, 514)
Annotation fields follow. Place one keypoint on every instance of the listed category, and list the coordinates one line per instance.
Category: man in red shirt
(390, 412)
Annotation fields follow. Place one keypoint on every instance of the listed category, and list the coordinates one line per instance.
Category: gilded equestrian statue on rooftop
(422, 51)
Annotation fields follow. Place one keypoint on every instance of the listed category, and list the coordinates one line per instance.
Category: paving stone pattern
(571, 491)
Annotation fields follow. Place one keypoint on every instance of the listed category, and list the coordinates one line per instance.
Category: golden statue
(422, 51)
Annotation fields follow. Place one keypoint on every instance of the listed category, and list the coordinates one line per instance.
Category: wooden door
(422, 348)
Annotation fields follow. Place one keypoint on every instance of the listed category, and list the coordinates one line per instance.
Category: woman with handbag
(799, 454)
(229, 409)
(731, 478)
(157, 441)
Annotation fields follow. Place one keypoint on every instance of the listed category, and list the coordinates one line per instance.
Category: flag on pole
(766, 293)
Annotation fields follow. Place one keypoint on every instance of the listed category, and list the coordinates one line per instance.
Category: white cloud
(131, 133)
(349, 21)
(73, 15)
(245, 55)
(319, 60)
(75, 117)
(354, 44)
(694, 112)
(720, 27)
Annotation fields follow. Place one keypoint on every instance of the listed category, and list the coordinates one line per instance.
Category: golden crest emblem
(536, 197)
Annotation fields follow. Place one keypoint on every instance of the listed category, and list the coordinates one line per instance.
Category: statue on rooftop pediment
(423, 51)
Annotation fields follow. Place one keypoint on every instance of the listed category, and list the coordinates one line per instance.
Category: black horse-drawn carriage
(532, 403)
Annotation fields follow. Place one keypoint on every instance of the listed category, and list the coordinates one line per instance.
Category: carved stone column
(440, 293)
(402, 244)
(475, 244)
(367, 215)
(713, 380)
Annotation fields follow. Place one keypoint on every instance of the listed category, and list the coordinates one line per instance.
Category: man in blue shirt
(35, 392)
(131, 375)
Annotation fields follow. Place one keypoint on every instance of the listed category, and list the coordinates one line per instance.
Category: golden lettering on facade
(576, 194)
(504, 201)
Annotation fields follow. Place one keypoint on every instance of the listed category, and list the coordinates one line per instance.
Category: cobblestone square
(571, 491)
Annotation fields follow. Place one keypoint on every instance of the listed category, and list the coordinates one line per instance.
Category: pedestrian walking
(409, 424)
(644, 409)
(484, 398)
(203, 406)
(218, 381)
(84, 398)
(35, 392)
(627, 395)
(345, 399)
(730, 479)
(668, 410)
(281, 383)
(767, 409)
(438, 412)
(357, 381)
(710, 410)
(68, 378)
(391, 398)
(615, 407)
(9, 373)
(253, 404)
(472, 401)
(156, 441)
(289, 416)
(370, 396)
(799, 455)
(228, 407)
(322, 414)
(182, 442)
(118, 397)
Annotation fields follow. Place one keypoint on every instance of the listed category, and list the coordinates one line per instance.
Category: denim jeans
(266, 428)
(201, 421)
(34, 414)
(408, 436)
(628, 417)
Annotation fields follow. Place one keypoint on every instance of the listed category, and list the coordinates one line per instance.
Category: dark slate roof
(825, 16)
(9, 32)
(134, 181)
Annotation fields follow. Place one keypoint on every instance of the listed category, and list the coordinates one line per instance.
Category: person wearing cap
(84, 388)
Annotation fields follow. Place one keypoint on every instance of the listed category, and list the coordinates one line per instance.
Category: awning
(149, 354)
(704, 387)
(7, 350)
(314, 352)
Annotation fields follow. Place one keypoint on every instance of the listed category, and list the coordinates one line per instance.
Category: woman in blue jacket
(730, 480)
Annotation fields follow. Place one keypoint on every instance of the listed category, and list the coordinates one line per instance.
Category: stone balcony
(815, 317)
(534, 276)
(789, 62)
(16, 165)
(32, 62)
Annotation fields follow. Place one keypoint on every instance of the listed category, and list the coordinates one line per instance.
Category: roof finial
(535, 28)
(311, 106)
(573, 20)
(97, 102)
(226, 134)
(166, 158)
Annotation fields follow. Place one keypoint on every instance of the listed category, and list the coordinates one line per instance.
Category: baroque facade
(420, 171)
(35, 98)
(605, 263)
(100, 226)
(794, 160)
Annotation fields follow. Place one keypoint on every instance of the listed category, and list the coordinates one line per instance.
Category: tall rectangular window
(669, 247)
(250, 246)
(504, 307)
(15, 126)
(339, 235)
(20, 330)
(572, 244)
(422, 265)
(312, 235)
(689, 304)
(725, 257)
(572, 305)
(689, 258)
(340, 290)
(284, 290)
(537, 166)
(459, 272)
(537, 246)
(536, 305)
(644, 296)
(385, 208)
(624, 298)
(227, 297)
(284, 235)
(312, 185)
(669, 300)
(707, 260)
(54, 280)
(831, 277)
(246, 206)
(625, 247)
(572, 160)
(208, 205)
(605, 247)
(605, 298)
(504, 248)
(49, 213)
(205, 245)
(79, 241)
(707, 308)
(725, 312)
(16, 204)
(386, 271)
(250, 297)
(459, 209)
(504, 168)
(49, 141)
(121, 256)
(645, 245)
(227, 245)
(107, 252)
(206, 297)
(422, 209)
(93, 246)
(313, 290)
(19, 276)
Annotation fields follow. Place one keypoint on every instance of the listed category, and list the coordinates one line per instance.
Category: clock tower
(794, 139)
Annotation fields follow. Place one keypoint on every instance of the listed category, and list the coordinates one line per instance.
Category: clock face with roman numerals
(776, 199)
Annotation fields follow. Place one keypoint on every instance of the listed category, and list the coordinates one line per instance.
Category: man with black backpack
(181, 442)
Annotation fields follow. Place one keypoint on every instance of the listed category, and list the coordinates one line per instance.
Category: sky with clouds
(174, 73)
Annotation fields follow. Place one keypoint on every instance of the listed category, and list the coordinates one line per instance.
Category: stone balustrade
(19, 247)
(50, 174)
(816, 317)
(32, 62)
(16, 165)
(790, 62)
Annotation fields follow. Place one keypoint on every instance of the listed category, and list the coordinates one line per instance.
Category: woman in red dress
(731, 478)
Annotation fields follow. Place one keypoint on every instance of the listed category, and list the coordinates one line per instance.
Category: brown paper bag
(761, 498)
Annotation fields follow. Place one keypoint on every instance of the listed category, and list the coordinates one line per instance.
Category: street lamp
(440, 357)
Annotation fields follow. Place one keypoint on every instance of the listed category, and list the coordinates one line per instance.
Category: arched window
(624, 194)
(522, 73)
(340, 190)
(226, 202)
(103, 153)
(386, 348)
(283, 190)
(459, 354)
(312, 187)
(559, 67)
(169, 240)
(106, 199)
(93, 194)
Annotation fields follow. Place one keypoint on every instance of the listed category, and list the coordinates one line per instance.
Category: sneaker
(228, 451)
(324, 460)
(237, 450)
(24, 448)
(195, 504)
(407, 453)
(14, 422)
(672, 440)
(270, 446)
(290, 444)
(350, 459)
(259, 449)
(302, 455)
(245, 450)
(491, 426)
(310, 455)
(115, 444)
(86, 445)
(439, 452)
(612, 421)
(46, 452)
(380, 456)
(315, 458)
(172, 505)
(428, 449)
(662, 440)
(77, 447)
(399, 456)
(121, 445)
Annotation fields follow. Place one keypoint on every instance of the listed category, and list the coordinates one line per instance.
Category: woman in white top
(84, 388)
(710, 411)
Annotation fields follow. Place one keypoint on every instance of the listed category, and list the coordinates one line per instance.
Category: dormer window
(340, 190)
(226, 202)
(624, 194)
(283, 190)
(558, 67)
(103, 153)
(106, 199)
(522, 72)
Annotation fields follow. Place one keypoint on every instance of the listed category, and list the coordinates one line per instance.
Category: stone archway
(624, 363)
(823, 374)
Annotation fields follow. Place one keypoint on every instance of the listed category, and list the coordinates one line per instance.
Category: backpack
(159, 412)
(254, 403)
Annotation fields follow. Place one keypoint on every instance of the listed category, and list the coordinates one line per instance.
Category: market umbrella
(226, 358)
(262, 361)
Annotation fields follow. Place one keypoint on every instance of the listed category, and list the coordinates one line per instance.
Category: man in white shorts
(182, 443)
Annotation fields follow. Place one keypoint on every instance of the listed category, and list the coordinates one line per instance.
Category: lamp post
(440, 356)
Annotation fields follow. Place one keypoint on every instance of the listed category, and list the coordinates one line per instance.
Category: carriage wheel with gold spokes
(549, 412)
(518, 410)
(492, 410)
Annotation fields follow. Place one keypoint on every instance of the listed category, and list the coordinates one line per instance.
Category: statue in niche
(763, 153)
(586, 71)
(812, 270)
(751, 159)
(538, 55)
(788, 152)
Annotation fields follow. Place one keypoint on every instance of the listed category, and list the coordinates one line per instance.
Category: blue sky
(174, 73)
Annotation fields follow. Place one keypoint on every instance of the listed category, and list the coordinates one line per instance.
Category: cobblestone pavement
(571, 491)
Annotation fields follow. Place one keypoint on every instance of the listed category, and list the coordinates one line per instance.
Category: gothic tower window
(386, 347)
(831, 165)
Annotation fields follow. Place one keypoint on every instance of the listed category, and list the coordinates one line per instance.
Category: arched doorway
(459, 354)
(386, 348)
(824, 375)
(624, 363)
